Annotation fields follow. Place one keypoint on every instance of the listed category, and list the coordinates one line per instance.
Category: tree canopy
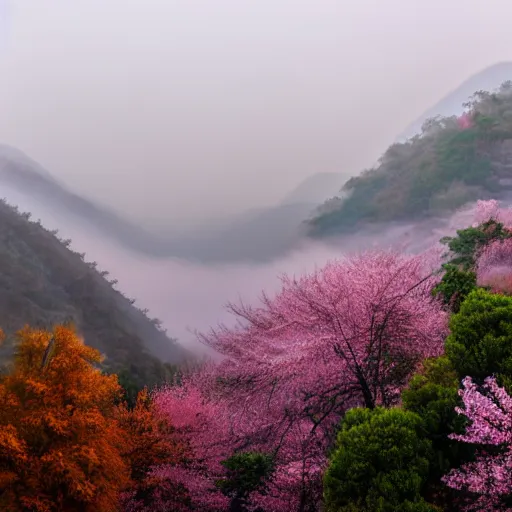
(61, 444)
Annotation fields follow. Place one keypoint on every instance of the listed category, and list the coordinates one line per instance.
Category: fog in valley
(188, 296)
(184, 116)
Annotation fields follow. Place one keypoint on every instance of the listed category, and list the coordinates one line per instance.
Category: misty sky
(187, 109)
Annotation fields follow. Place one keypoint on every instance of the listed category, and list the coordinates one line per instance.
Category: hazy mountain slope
(316, 188)
(446, 166)
(487, 80)
(42, 282)
(257, 235)
(20, 172)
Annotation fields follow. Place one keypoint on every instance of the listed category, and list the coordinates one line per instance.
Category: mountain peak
(487, 79)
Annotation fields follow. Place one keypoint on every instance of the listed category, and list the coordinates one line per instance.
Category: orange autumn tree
(61, 442)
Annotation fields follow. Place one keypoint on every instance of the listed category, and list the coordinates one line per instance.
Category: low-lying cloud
(187, 296)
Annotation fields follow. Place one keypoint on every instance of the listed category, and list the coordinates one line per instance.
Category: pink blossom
(346, 335)
(494, 261)
(490, 414)
(330, 329)
(491, 210)
(485, 211)
(494, 266)
(465, 121)
(203, 424)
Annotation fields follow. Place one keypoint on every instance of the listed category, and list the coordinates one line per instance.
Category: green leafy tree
(455, 286)
(245, 473)
(459, 278)
(480, 342)
(380, 463)
(468, 241)
(433, 395)
(130, 387)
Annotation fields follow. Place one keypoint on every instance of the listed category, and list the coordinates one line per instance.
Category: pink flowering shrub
(494, 260)
(494, 266)
(491, 210)
(490, 414)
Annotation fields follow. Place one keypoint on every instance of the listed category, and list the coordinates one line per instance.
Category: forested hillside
(453, 161)
(43, 283)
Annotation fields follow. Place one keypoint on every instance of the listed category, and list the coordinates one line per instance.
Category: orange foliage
(61, 441)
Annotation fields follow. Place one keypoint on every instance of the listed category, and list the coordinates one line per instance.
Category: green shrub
(380, 463)
(480, 342)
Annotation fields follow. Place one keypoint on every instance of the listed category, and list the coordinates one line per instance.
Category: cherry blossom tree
(346, 335)
(494, 259)
(491, 210)
(489, 411)
(214, 429)
(349, 333)
(494, 266)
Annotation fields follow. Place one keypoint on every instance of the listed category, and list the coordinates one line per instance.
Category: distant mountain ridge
(19, 171)
(453, 161)
(258, 235)
(486, 80)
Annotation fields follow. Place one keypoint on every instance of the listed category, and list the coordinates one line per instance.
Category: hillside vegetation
(43, 283)
(453, 161)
